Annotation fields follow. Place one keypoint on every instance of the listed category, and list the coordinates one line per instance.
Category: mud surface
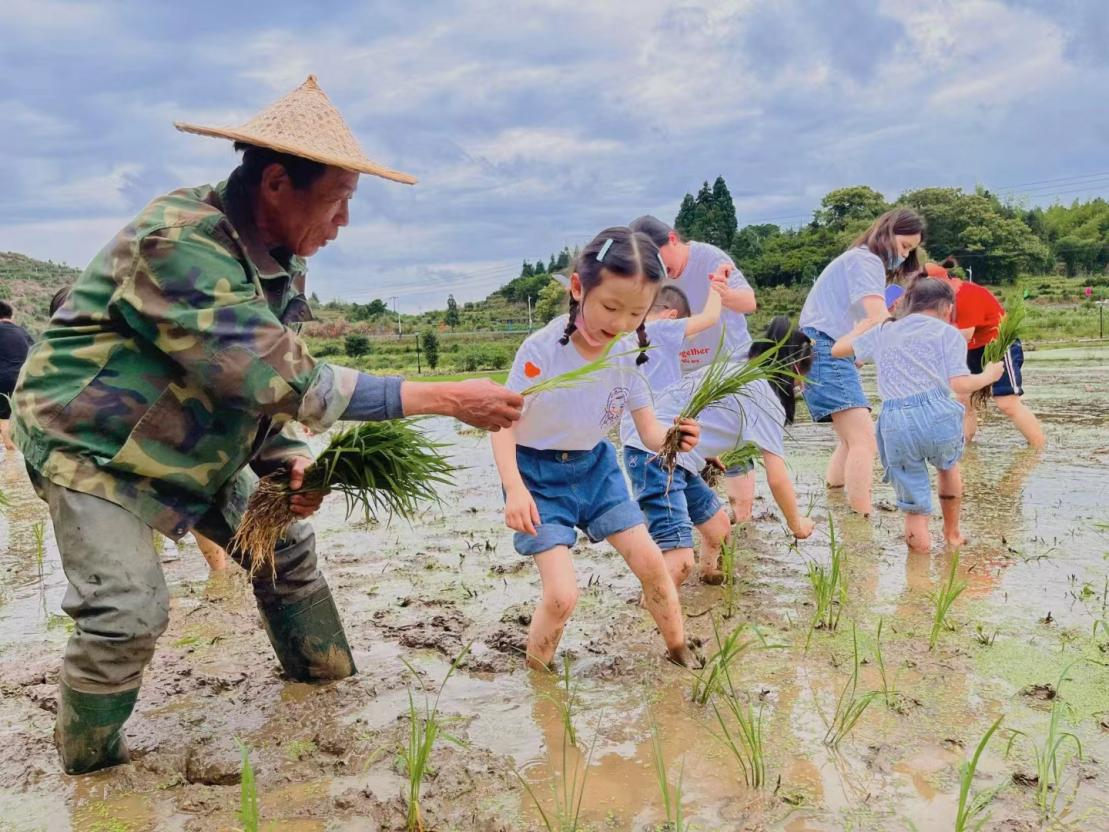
(325, 756)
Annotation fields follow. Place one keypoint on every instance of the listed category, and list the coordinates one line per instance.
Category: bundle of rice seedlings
(382, 467)
(720, 380)
(1008, 331)
(582, 374)
(741, 454)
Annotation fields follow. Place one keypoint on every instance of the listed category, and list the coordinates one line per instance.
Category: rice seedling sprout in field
(383, 467)
(248, 793)
(719, 379)
(710, 678)
(424, 728)
(942, 599)
(582, 374)
(1050, 754)
(671, 794)
(4, 501)
(1009, 330)
(829, 586)
(728, 551)
(568, 789)
(970, 814)
(889, 694)
(850, 706)
(745, 740)
(38, 529)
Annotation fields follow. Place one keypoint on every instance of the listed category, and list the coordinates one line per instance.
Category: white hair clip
(604, 250)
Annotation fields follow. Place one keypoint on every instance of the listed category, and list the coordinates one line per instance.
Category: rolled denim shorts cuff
(617, 519)
(549, 536)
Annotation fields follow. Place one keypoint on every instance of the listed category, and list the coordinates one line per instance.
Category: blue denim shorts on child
(832, 384)
(574, 489)
(913, 431)
(672, 507)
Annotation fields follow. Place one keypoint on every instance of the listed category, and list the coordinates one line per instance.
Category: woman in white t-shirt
(851, 289)
(558, 471)
(694, 267)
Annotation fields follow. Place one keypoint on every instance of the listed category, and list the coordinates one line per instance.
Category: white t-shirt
(916, 354)
(663, 366)
(694, 281)
(834, 304)
(755, 414)
(575, 418)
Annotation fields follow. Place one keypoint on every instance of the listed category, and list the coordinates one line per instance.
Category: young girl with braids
(558, 471)
(921, 361)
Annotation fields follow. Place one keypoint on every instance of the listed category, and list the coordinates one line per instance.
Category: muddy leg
(917, 536)
(5, 435)
(951, 503)
(560, 596)
(679, 563)
(713, 532)
(741, 495)
(213, 553)
(834, 475)
(1023, 418)
(660, 595)
(855, 430)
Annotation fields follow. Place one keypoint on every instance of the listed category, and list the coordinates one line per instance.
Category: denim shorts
(673, 507)
(574, 489)
(913, 431)
(740, 469)
(832, 384)
(1011, 382)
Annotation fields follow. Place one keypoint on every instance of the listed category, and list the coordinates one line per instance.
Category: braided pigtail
(644, 342)
(572, 323)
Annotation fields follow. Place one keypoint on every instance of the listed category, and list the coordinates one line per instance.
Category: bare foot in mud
(955, 541)
(712, 576)
(683, 657)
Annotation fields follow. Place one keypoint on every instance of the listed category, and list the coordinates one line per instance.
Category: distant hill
(28, 284)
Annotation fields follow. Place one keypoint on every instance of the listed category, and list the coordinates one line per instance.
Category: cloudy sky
(533, 125)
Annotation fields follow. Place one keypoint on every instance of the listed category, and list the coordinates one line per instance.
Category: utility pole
(970, 273)
(529, 313)
(395, 312)
(418, 370)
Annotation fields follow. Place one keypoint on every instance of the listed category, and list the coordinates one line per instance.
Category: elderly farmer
(162, 387)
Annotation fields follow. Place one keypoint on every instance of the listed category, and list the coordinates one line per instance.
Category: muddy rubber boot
(88, 732)
(308, 638)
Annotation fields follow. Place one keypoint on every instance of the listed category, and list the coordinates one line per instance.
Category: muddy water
(325, 756)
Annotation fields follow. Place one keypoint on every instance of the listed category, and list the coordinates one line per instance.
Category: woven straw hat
(304, 123)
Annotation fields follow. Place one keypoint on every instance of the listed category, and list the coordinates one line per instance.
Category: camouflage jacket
(172, 365)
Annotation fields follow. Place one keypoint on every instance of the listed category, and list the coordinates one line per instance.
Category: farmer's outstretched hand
(307, 503)
(485, 404)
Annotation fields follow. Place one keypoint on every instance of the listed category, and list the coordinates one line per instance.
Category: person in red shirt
(977, 315)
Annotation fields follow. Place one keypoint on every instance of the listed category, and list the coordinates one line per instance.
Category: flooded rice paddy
(1035, 610)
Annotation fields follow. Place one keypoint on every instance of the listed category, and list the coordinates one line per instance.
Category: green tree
(841, 207)
(526, 269)
(356, 344)
(430, 343)
(683, 222)
(376, 307)
(723, 218)
(551, 302)
(452, 318)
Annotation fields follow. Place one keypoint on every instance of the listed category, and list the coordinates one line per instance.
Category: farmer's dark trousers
(117, 594)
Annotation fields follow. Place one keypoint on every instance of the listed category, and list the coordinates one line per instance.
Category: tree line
(997, 239)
